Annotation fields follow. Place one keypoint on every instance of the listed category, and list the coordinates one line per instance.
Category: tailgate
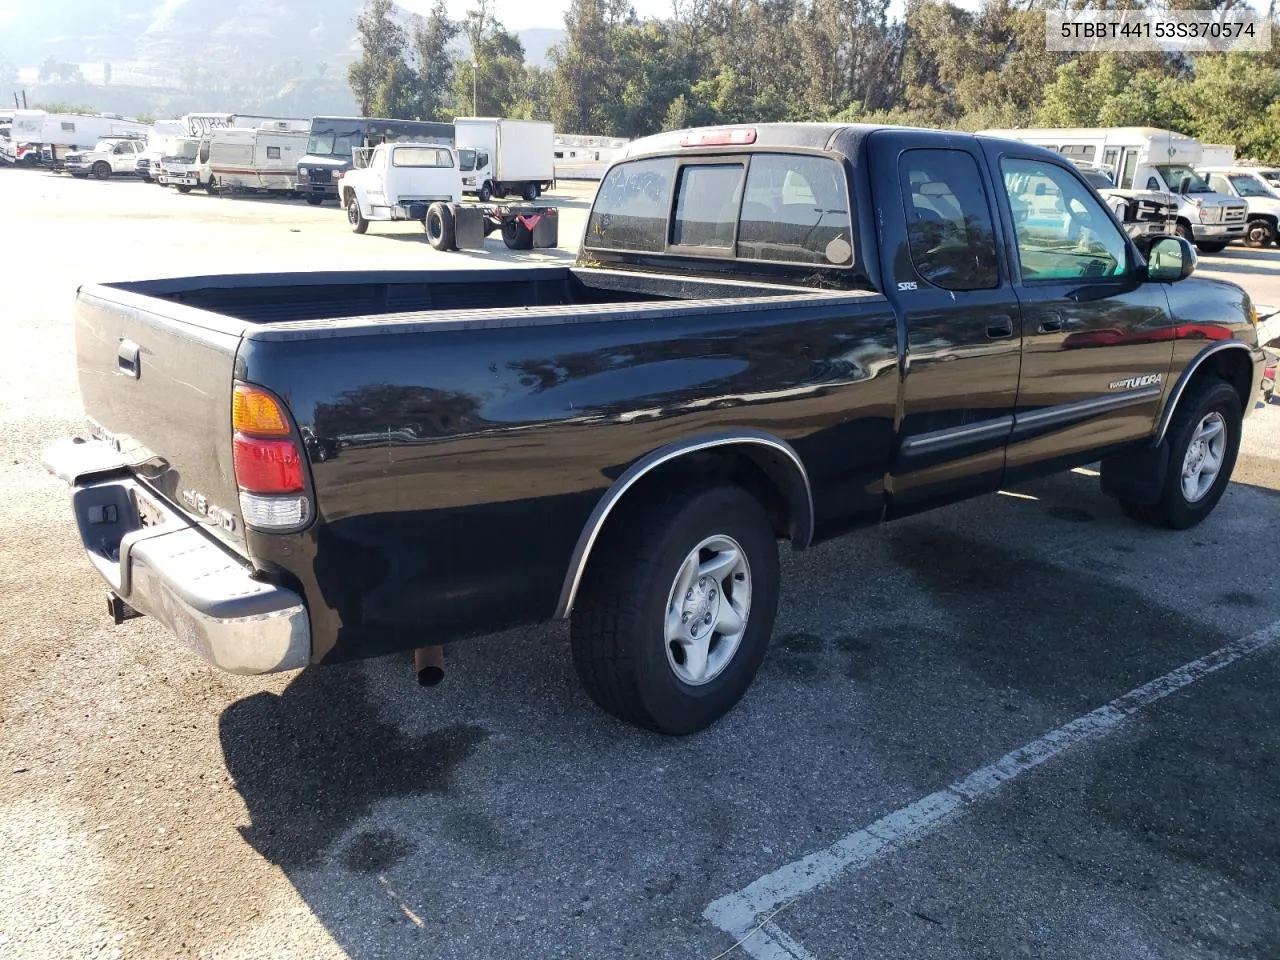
(156, 379)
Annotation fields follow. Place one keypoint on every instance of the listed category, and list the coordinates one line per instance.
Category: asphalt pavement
(1022, 726)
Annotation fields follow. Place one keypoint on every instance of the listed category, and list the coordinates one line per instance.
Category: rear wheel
(440, 227)
(531, 192)
(1204, 439)
(354, 217)
(102, 170)
(516, 235)
(1258, 233)
(676, 609)
(211, 187)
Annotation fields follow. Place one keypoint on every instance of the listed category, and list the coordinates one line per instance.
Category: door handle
(1051, 324)
(999, 328)
(127, 359)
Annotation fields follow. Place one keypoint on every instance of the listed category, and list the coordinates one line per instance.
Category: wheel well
(347, 195)
(765, 471)
(1233, 366)
(1268, 217)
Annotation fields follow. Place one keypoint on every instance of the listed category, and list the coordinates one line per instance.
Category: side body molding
(773, 455)
(1178, 388)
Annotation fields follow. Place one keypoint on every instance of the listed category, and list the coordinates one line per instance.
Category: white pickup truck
(422, 182)
(107, 158)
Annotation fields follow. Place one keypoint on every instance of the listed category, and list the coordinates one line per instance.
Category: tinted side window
(796, 210)
(1061, 229)
(707, 205)
(949, 229)
(631, 208)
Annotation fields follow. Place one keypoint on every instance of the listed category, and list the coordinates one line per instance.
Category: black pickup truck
(771, 332)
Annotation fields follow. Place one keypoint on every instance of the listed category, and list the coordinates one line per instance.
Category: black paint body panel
(462, 425)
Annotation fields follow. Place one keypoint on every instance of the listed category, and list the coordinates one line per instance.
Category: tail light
(268, 462)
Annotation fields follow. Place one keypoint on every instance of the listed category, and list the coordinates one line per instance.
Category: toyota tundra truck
(771, 332)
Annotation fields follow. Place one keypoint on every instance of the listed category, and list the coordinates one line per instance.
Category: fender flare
(799, 496)
(1175, 395)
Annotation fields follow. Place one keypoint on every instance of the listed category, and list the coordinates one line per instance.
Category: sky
(527, 14)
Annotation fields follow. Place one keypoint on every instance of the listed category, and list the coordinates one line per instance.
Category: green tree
(434, 66)
(493, 82)
(1233, 99)
(380, 79)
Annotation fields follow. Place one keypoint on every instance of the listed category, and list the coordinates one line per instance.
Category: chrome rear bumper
(164, 566)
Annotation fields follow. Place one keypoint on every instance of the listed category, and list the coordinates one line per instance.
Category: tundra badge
(1134, 383)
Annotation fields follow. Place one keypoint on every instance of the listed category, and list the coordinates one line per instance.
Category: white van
(1147, 158)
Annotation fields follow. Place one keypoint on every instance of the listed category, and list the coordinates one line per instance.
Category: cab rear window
(771, 207)
(421, 157)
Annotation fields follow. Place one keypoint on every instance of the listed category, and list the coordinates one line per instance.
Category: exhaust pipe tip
(428, 664)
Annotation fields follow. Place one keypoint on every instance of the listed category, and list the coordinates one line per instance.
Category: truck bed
(281, 298)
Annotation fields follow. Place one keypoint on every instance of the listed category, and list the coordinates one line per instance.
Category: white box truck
(502, 158)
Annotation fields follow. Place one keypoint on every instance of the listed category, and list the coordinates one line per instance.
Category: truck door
(939, 238)
(1097, 343)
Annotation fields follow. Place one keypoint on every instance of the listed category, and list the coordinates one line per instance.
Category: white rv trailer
(263, 157)
(1147, 158)
(72, 129)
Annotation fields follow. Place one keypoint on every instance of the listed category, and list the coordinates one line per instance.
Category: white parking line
(748, 915)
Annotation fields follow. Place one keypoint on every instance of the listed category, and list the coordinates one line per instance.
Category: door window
(949, 229)
(1062, 231)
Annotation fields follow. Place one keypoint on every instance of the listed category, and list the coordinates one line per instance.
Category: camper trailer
(1146, 158)
(264, 157)
(63, 132)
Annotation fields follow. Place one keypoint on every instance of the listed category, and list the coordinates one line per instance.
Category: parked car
(1261, 194)
(780, 331)
(107, 159)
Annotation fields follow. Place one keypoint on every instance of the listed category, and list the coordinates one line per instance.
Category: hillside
(175, 55)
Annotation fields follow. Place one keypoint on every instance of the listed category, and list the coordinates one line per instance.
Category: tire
(1212, 399)
(516, 235)
(531, 192)
(183, 188)
(1214, 247)
(354, 217)
(314, 200)
(1258, 233)
(619, 632)
(81, 176)
(211, 188)
(102, 170)
(440, 227)
(1184, 231)
(485, 193)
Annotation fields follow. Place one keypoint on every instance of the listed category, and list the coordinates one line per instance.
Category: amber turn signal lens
(256, 411)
